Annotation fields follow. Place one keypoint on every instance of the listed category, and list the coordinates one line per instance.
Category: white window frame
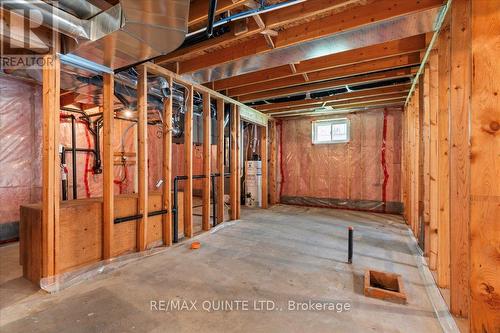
(331, 122)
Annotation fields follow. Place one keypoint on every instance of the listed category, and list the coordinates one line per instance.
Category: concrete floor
(279, 255)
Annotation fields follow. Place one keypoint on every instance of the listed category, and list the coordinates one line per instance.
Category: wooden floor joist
(332, 73)
(327, 84)
(346, 58)
(350, 18)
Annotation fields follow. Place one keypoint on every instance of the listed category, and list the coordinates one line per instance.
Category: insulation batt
(348, 174)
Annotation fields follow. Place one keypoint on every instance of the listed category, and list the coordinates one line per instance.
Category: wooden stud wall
(461, 93)
(485, 168)
(116, 239)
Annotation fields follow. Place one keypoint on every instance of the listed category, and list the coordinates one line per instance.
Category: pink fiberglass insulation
(349, 175)
(20, 146)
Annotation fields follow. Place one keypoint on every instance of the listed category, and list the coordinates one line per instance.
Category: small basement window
(330, 131)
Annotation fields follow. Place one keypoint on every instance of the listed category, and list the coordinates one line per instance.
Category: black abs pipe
(349, 246)
(214, 200)
(139, 216)
(211, 17)
(128, 218)
(64, 180)
(175, 207)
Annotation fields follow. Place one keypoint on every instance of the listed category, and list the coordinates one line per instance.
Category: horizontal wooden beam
(400, 88)
(348, 108)
(353, 102)
(272, 20)
(198, 10)
(330, 84)
(247, 112)
(350, 18)
(374, 52)
(339, 72)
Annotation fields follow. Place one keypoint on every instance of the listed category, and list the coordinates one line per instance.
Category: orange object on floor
(195, 245)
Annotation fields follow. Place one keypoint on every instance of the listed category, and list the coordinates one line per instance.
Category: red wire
(87, 158)
(383, 158)
(280, 124)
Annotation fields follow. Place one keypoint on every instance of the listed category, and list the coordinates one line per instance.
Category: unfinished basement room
(250, 166)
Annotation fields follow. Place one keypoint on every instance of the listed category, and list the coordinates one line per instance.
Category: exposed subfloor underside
(282, 254)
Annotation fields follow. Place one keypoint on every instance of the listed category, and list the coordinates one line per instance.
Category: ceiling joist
(339, 72)
(374, 52)
(330, 84)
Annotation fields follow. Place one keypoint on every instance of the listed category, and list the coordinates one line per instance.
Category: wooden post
(433, 160)
(142, 138)
(207, 147)
(51, 76)
(416, 181)
(426, 159)
(108, 168)
(167, 168)
(485, 168)
(272, 162)
(188, 165)
(220, 160)
(459, 156)
(234, 163)
(264, 161)
(443, 260)
(238, 163)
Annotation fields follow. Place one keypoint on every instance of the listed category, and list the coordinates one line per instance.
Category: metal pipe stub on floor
(349, 245)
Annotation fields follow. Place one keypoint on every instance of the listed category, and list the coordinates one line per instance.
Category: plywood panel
(155, 225)
(81, 233)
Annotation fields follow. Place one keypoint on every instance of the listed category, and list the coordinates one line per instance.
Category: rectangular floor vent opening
(384, 285)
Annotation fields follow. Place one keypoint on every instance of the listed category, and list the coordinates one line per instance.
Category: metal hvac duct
(112, 35)
(408, 25)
